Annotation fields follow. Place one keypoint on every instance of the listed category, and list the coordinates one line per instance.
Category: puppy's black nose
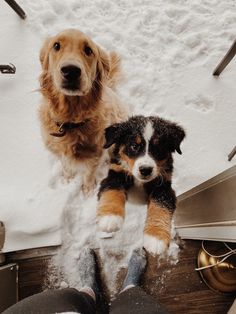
(145, 171)
(71, 72)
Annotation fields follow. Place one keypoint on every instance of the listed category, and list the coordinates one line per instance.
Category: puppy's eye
(57, 46)
(134, 147)
(88, 51)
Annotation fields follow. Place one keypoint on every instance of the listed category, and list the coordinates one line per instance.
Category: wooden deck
(178, 287)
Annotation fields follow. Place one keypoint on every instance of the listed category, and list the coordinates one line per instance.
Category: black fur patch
(161, 192)
(116, 181)
(168, 135)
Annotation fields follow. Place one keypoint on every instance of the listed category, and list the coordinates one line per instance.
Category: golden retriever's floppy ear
(109, 67)
(103, 63)
(44, 52)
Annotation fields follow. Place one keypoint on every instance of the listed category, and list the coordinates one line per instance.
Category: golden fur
(95, 100)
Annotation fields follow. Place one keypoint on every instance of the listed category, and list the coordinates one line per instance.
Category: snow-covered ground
(169, 50)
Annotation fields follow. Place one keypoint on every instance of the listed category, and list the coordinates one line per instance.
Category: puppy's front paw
(110, 223)
(154, 245)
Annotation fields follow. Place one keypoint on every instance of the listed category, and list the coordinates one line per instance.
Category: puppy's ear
(44, 54)
(176, 135)
(113, 133)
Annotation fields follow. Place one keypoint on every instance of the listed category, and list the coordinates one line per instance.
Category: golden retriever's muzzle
(70, 77)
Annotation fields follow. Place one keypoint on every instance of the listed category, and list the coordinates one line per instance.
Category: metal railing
(15, 6)
(226, 60)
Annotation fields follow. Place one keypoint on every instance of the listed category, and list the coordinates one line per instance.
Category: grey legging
(131, 301)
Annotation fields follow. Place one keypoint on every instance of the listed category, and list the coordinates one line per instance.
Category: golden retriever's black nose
(71, 72)
(145, 171)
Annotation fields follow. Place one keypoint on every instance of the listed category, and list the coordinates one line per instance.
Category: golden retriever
(77, 83)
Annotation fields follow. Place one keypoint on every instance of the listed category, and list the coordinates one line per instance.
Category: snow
(169, 50)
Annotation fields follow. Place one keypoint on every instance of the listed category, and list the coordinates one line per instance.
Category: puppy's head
(144, 145)
(73, 62)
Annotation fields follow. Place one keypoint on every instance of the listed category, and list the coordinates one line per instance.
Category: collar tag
(67, 126)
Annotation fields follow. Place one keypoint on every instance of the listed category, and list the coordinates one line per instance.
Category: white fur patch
(146, 160)
(154, 245)
(110, 223)
(148, 132)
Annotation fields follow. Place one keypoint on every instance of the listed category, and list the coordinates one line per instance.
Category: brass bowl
(220, 278)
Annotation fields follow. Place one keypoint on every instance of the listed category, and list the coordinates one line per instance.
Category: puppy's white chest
(137, 194)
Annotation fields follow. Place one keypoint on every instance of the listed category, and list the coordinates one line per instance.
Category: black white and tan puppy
(141, 157)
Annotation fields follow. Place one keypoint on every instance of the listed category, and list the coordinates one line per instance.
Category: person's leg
(136, 266)
(55, 301)
(135, 301)
(86, 269)
(58, 301)
(132, 299)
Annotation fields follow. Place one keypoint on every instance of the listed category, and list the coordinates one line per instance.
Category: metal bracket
(2, 240)
(2, 235)
(7, 68)
(232, 154)
(15, 6)
(226, 60)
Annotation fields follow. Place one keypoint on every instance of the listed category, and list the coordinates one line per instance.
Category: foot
(87, 270)
(88, 186)
(136, 267)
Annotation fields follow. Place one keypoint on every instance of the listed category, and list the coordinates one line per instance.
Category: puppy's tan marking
(130, 162)
(155, 141)
(158, 222)
(112, 202)
(138, 140)
(119, 168)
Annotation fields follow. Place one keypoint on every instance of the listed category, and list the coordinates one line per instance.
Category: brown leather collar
(64, 127)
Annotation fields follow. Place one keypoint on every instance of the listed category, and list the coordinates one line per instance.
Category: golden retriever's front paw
(109, 223)
(88, 187)
(88, 190)
(154, 245)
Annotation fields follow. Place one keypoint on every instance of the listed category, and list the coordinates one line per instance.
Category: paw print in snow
(200, 103)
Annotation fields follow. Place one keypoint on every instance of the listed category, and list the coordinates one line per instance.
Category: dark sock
(136, 267)
(87, 270)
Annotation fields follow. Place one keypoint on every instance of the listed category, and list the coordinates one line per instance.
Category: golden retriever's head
(74, 63)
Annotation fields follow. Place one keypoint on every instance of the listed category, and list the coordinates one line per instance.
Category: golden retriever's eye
(88, 51)
(57, 46)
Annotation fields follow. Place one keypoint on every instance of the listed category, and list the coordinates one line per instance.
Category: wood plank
(180, 288)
